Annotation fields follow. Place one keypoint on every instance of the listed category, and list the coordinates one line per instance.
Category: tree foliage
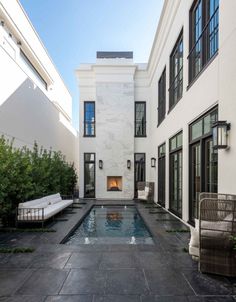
(28, 174)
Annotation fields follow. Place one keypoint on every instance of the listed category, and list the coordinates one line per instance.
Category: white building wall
(115, 137)
(28, 111)
(215, 85)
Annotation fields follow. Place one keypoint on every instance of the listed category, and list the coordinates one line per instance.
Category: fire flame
(113, 183)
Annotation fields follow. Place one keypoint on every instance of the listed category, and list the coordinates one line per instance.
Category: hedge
(29, 174)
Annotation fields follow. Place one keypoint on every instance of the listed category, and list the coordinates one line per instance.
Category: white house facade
(165, 111)
(35, 104)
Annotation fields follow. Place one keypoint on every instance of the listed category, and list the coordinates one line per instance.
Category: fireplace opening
(114, 183)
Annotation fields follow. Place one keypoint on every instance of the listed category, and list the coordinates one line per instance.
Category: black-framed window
(203, 160)
(139, 169)
(204, 35)
(175, 169)
(89, 119)
(176, 72)
(162, 97)
(162, 174)
(89, 175)
(140, 119)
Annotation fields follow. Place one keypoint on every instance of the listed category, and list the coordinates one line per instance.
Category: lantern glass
(153, 162)
(219, 132)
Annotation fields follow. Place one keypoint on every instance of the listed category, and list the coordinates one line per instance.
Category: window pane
(89, 157)
(89, 118)
(176, 72)
(140, 119)
(162, 97)
(196, 130)
(179, 140)
(173, 144)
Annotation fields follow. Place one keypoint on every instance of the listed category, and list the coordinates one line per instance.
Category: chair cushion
(194, 241)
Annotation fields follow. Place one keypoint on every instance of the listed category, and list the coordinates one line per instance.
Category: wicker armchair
(150, 185)
(217, 225)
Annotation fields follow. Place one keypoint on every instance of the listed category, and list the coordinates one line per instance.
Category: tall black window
(89, 118)
(139, 169)
(161, 174)
(203, 161)
(140, 119)
(176, 72)
(162, 97)
(89, 175)
(176, 174)
(204, 40)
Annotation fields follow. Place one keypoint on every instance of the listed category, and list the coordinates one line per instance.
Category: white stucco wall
(214, 86)
(115, 137)
(28, 111)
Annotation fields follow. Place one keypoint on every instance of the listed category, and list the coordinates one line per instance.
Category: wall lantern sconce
(153, 162)
(100, 164)
(128, 164)
(220, 134)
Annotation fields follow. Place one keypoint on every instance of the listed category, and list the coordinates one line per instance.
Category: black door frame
(135, 191)
(202, 141)
(178, 151)
(161, 160)
(90, 162)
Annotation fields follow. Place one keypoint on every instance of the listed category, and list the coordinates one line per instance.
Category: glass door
(176, 182)
(195, 189)
(176, 166)
(203, 161)
(211, 167)
(89, 175)
(139, 170)
(161, 175)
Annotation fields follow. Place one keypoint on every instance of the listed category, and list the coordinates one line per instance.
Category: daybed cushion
(48, 211)
(36, 203)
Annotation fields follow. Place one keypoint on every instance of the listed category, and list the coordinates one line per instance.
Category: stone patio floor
(103, 273)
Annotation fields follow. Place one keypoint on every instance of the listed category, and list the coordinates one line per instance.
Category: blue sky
(74, 30)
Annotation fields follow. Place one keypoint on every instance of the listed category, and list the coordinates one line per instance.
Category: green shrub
(16, 250)
(27, 174)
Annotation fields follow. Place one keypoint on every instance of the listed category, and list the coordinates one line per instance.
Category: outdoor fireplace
(114, 183)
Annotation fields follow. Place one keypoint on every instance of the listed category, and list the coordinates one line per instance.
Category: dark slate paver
(117, 298)
(149, 260)
(17, 261)
(204, 284)
(44, 281)
(11, 280)
(70, 298)
(168, 282)
(161, 272)
(126, 282)
(119, 260)
(164, 299)
(84, 260)
(83, 281)
(23, 299)
(52, 260)
(212, 299)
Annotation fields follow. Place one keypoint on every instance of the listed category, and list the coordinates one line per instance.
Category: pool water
(111, 225)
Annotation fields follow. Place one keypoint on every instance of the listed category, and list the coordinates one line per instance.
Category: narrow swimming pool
(111, 225)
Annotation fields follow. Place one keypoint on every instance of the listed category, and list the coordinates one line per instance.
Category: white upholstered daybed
(39, 210)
